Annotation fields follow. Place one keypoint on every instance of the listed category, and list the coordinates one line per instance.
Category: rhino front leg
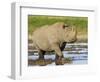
(59, 55)
(62, 48)
(59, 60)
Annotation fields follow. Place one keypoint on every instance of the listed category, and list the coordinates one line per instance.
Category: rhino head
(69, 33)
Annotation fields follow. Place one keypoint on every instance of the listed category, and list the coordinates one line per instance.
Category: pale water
(78, 53)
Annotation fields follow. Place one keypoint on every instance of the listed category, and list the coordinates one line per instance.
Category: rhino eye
(65, 25)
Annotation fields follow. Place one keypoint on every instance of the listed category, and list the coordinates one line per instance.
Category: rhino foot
(59, 61)
(41, 62)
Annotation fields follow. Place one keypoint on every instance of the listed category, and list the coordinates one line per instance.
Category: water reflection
(78, 53)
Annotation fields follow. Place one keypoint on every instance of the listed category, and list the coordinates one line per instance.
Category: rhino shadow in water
(53, 37)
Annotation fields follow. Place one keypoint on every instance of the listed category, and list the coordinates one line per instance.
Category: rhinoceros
(54, 38)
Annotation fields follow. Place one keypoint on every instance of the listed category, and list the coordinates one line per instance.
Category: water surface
(78, 53)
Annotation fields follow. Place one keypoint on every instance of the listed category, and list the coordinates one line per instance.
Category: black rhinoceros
(53, 37)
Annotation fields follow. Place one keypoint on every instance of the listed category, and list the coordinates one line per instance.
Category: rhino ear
(65, 26)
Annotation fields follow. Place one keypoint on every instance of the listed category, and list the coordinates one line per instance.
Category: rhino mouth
(72, 41)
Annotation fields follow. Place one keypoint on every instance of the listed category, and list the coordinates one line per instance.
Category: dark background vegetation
(81, 23)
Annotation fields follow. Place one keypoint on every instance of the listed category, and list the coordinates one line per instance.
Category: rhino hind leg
(41, 54)
(41, 61)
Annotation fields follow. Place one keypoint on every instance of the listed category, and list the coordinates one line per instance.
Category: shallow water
(77, 52)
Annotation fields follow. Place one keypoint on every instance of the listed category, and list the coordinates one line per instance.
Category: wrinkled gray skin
(54, 37)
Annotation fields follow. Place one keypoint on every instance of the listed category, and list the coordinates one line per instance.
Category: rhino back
(40, 39)
(46, 36)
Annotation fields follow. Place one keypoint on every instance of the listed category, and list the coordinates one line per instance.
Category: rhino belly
(43, 45)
